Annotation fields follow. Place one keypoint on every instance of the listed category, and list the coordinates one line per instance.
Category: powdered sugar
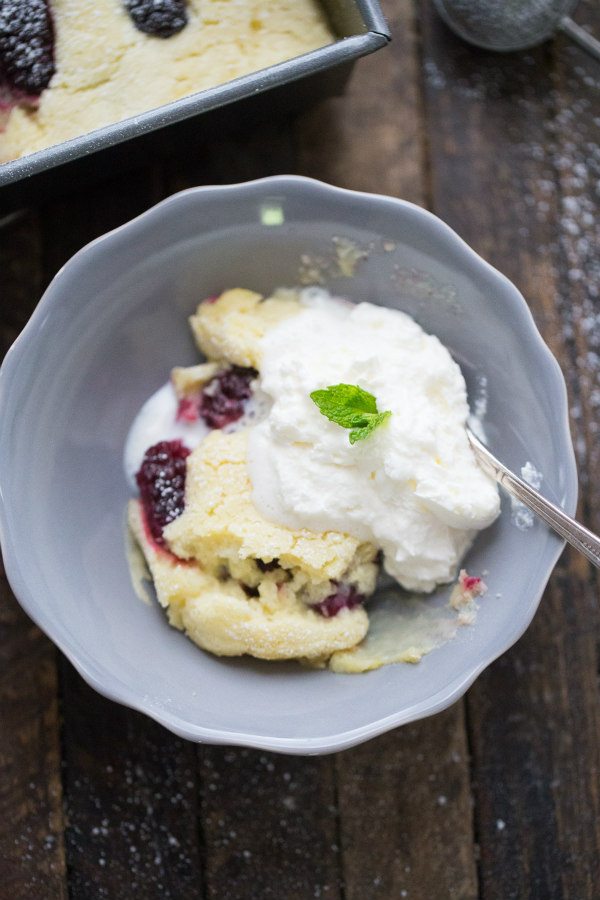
(522, 516)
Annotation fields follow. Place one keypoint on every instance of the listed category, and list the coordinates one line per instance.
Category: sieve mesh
(504, 24)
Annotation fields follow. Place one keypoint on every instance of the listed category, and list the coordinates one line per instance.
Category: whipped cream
(413, 487)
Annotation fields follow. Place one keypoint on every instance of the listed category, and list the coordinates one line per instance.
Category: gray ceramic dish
(105, 335)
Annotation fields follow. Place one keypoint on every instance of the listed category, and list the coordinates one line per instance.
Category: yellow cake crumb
(232, 327)
(221, 526)
(218, 615)
(190, 379)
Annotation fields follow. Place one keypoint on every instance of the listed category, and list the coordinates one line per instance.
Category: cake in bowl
(264, 517)
(106, 335)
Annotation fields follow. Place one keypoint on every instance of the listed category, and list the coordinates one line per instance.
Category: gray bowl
(105, 335)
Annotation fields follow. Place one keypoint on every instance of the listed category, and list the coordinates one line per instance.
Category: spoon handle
(581, 36)
(579, 537)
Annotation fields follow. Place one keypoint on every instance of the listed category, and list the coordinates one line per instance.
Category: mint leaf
(359, 434)
(345, 404)
(351, 407)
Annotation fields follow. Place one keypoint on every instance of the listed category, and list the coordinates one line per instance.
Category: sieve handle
(581, 36)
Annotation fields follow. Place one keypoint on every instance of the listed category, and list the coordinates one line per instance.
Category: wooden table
(496, 798)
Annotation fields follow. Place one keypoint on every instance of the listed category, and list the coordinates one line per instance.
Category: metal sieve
(507, 25)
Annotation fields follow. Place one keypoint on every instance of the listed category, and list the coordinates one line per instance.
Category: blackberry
(345, 597)
(161, 18)
(161, 481)
(26, 45)
(223, 399)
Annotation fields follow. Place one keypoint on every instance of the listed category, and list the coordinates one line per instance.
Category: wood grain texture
(32, 859)
(248, 153)
(576, 131)
(371, 138)
(574, 136)
(20, 273)
(130, 798)
(405, 813)
(533, 715)
(270, 826)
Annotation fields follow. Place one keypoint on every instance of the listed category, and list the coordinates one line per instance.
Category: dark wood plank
(371, 138)
(575, 141)
(533, 716)
(32, 859)
(130, 797)
(129, 785)
(270, 825)
(408, 792)
(250, 152)
(20, 273)
(406, 820)
(577, 135)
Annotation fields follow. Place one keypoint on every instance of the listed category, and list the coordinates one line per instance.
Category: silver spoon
(575, 534)
(508, 25)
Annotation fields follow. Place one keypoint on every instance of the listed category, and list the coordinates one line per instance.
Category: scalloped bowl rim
(453, 691)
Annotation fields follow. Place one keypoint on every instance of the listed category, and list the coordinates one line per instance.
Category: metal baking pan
(290, 85)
